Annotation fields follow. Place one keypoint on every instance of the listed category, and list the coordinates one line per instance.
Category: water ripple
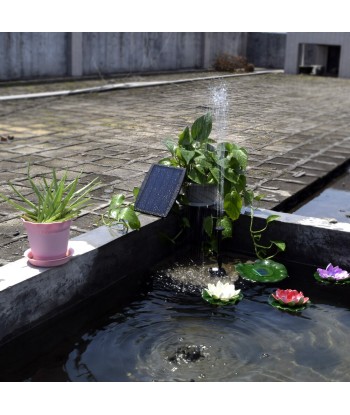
(171, 334)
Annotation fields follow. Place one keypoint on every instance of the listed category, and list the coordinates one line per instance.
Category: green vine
(264, 251)
(122, 213)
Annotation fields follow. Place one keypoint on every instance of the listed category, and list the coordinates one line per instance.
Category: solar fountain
(286, 323)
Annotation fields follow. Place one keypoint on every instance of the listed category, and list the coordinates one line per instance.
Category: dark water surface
(332, 202)
(169, 333)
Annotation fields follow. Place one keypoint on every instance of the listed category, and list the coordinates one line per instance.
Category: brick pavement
(295, 128)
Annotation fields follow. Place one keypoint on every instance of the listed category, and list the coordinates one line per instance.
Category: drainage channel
(332, 202)
(327, 197)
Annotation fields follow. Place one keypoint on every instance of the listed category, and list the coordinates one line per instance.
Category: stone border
(310, 241)
(103, 257)
(127, 85)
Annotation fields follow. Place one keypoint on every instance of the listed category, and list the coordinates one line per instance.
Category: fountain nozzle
(218, 271)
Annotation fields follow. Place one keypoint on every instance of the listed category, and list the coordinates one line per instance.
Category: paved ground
(295, 128)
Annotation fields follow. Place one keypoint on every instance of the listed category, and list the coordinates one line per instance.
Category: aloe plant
(56, 200)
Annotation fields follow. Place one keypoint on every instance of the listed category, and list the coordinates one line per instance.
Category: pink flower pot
(48, 241)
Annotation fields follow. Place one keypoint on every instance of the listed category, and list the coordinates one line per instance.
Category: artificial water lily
(221, 294)
(290, 298)
(262, 270)
(222, 291)
(333, 273)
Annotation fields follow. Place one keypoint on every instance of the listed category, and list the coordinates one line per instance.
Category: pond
(167, 332)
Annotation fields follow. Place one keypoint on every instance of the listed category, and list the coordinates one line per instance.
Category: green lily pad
(329, 281)
(292, 309)
(262, 270)
(217, 301)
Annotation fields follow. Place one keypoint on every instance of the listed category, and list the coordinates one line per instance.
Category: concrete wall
(47, 55)
(266, 50)
(217, 43)
(141, 52)
(33, 55)
(294, 40)
(101, 258)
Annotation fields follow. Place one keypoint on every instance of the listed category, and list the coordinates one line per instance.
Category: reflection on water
(332, 202)
(170, 334)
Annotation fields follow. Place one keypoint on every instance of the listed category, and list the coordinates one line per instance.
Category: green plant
(208, 162)
(194, 152)
(56, 200)
(221, 164)
(122, 213)
(264, 251)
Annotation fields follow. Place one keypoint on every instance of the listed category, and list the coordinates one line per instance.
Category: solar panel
(159, 190)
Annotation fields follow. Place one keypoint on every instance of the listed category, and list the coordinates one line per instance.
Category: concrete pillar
(291, 62)
(206, 51)
(344, 63)
(76, 54)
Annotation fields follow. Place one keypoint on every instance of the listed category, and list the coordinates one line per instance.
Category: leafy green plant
(56, 200)
(269, 250)
(208, 162)
(222, 164)
(194, 153)
(121, 212)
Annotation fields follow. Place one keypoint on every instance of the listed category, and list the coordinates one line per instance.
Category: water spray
(218, 271)
(220, 109)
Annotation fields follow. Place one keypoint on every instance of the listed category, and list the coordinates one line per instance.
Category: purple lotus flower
(333, 273)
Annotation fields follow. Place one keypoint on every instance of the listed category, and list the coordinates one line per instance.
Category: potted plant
(194, 152)
(219, 166)
(48, 219)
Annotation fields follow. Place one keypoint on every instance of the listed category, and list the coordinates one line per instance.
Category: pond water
(333, 202)
(169, 333)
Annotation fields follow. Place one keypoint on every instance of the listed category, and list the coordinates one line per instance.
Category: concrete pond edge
(30, 296)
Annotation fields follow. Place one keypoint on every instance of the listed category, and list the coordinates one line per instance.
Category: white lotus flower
(223, 292)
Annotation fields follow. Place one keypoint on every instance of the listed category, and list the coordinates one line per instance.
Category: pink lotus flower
(333, 273)
(290, 297)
